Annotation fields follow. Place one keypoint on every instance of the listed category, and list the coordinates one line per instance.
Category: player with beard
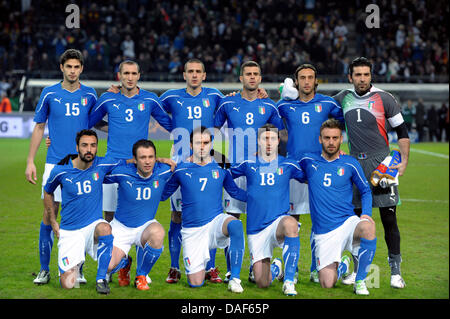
(335, 226)
(82, 229)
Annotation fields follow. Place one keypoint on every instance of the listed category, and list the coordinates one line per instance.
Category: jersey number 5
(327, 179)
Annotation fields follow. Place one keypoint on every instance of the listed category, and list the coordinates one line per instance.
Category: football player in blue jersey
(204, 226)
(129, 112)
(82, 229)
(304, 111)
(189, 107)
(244, 114)
(268, 222)
(140, 187)
(335, 226)
(65, 106)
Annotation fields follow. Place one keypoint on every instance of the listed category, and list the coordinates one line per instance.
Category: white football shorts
(329, 246)
(57, 193)
(110, 197)
(298, 198)
(74, 244)
(261, 245)
(197, 241)
(234, 206)
(125, 237)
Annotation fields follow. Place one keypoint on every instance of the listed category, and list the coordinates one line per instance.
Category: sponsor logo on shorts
(65, 261)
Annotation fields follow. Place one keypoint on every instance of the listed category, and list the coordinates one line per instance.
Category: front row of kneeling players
(145, 182)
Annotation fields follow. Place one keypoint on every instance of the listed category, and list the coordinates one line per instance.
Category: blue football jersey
(303, 121)
(81, 191)
(201, 190)
(128, 119)
(189, 112)
(330, 186)
(244, 118)
(267, 189)
(138, 197)
(67, 113)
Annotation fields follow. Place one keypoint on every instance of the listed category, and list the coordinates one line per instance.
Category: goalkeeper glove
(383, 175)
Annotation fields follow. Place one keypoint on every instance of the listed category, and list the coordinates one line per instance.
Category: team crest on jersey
(141, 106)
(215, 174)
(84, 101)
(280, 171)
(262, 110)
(156, 184)
(95, 176)
(206, 102)
(65, 261)
(341, 171)
(318, 107)
(370, 105)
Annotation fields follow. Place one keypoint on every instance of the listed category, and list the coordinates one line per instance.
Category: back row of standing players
(70, 107)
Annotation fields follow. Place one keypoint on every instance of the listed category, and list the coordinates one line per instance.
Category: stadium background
(409, 51)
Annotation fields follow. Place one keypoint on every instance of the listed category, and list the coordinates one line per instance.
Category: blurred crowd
(430, 122)
(280, 35)
(411, 44)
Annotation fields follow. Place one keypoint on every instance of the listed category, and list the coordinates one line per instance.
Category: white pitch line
(415, 200)
(429, 153)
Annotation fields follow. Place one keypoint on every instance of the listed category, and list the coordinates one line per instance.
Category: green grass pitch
(423, 219)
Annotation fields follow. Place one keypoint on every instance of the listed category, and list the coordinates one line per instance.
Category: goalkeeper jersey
(367, 118)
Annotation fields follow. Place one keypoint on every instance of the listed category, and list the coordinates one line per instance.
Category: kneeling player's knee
(103, 229)
(327, 283)
(368, 231)
(156, 237)
(291, 226)
(68, 279)
(195, 282)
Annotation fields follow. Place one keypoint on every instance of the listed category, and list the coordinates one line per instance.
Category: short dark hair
(194, 60)
(330, 123)
(129, 62)
(266, 128)
(85, 133)
(249, 64)
(200, 129)
(360, 61)
(143, 143)
(71, 54)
